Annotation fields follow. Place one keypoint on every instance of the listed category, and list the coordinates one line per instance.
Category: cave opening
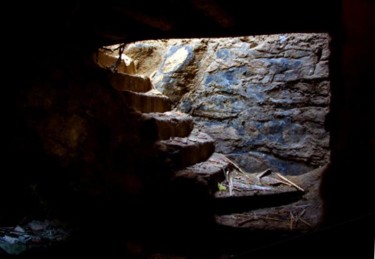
(262, 101)
(85, 168)
(216, 132)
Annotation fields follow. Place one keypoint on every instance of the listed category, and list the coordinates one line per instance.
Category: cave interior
(112, 167)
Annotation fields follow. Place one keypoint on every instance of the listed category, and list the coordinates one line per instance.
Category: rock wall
(263, 99)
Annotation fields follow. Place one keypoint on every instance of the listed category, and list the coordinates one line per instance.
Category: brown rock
(212, 170)
(109, 59)
(171, 124)
(127, 82)
(188, 151)
(151, 101)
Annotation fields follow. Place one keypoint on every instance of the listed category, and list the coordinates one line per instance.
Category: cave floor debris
(302, 214)
(34, 234)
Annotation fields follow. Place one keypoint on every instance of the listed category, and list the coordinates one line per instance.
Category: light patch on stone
(127, 60)
(158, 78)
(283, 38)
(174, 61)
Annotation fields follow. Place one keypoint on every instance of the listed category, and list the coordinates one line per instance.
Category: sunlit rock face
(263, 99)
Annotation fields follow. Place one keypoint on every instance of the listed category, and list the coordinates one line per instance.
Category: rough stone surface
(215, 165)
(171, 124)
(147, 55)
(213, 169)
(172, 64)
(195, 148)
(109, 59)
(135, 83)
(151, 101)
(263, 99)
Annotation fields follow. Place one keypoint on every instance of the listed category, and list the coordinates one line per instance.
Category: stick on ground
(264, 173)
(237, 167)
(287, 180)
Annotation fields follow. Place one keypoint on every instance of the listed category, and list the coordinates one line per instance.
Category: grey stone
(268, 94)
(253, 162)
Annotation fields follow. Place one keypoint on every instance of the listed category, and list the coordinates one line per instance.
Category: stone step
(243, 203)
(277, 218)
(135, 83)
(211, 171)
(107, 59)
(195, 148)
(171, 124)
(247, 193)
(151, 101)
(304, 214)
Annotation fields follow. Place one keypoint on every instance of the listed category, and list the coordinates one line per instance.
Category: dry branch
(287, 180)
(264, 173)
(291, 221)
(305, 222)
(243, 222)
(238, 168)
(283, 182)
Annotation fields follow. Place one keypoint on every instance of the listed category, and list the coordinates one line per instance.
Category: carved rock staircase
(191, 151)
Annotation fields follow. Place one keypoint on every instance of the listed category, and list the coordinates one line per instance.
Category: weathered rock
(151, 101)
(195, 148)
(171, 64)
(171, 124)
(266, 94)
(135, 83)
(212, 170)
(108, 58)
(150, 53)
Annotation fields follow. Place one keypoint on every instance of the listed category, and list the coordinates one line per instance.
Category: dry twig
(305, 222)
(291, 221)
(301, 219)
(247, 221)
(237, 167)
(264, 173)
(283, 182)
(302, 213)
(287, 180)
